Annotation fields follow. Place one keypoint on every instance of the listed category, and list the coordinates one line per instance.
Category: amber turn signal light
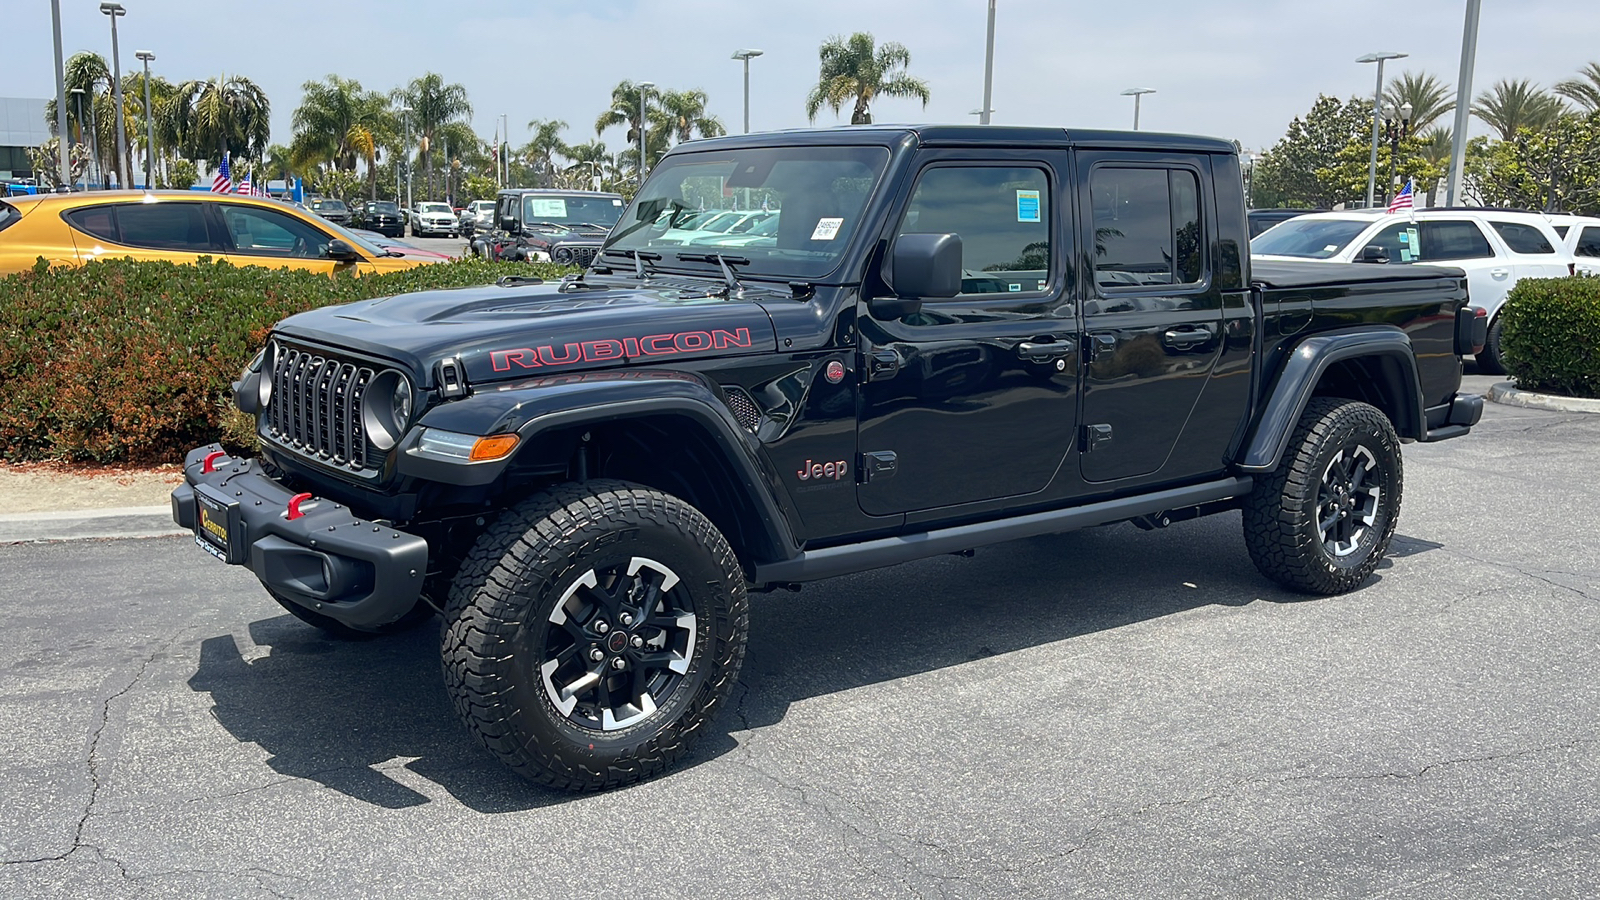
(495, 446)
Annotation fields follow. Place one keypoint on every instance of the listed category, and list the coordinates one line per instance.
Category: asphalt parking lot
(1111, 713)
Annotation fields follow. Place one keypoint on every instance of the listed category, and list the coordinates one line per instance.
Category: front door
(256, 236)
(1153, 318)
(973, 398)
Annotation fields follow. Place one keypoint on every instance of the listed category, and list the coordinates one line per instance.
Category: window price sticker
(827, 229)
(1027, 206)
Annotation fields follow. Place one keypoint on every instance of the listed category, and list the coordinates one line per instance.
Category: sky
(1237, 69)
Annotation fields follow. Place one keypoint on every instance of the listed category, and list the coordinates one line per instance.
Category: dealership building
(22, 127)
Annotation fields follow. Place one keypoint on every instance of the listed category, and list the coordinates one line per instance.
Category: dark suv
(382, 216)
(539, 225)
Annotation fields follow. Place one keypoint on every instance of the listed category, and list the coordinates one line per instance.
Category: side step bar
(813, 565)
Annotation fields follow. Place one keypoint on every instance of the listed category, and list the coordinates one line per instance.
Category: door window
(1588, 241)
(266, 232)
(1400, 241)
(1147, 227)
(1444, 239)
(1003, 217)
(150, 226)
(1522, 238)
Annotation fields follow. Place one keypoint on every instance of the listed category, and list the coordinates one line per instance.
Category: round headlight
(269, 359)
(386, 409)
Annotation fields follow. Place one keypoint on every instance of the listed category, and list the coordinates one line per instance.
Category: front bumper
(357, 572)
(434, 227)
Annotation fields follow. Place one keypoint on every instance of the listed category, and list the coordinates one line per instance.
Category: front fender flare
(1304, 367)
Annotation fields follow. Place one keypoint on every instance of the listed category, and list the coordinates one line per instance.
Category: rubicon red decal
(609, 349)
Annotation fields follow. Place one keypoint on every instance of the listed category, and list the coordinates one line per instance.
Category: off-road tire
(1281, 514)
(420, 613)
(500, 624)
(1490, 362)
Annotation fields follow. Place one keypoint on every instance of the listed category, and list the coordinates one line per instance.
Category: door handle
(882, 364)
(1499, 273)
(1188, 336)
(1043, 351)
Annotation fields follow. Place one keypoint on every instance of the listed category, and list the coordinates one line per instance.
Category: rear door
(1536, 252)
(1462, 242)
(173, 231)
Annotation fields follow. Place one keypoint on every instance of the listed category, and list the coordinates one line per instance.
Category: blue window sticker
(1015, 288)
(1027, 206)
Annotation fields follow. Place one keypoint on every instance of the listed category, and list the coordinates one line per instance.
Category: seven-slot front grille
(316, 406)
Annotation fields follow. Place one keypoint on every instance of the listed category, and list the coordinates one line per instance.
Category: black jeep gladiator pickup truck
(953, 336)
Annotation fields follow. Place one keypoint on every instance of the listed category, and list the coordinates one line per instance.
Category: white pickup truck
(1495, 248)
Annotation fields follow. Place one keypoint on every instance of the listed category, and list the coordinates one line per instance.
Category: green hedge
(131, 362)
(1550, 335)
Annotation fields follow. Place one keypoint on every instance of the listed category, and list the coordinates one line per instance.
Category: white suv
(1494, 248)
(434, 218)
(1582, 241)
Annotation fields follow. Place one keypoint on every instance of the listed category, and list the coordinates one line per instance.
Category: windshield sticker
(1015, 287)
(827, 229)
(616, 202)
(548, 207)
(1027, 206)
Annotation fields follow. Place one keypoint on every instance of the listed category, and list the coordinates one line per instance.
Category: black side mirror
(1372, 253)
(342, 251)
(510, 225)
(925, 266)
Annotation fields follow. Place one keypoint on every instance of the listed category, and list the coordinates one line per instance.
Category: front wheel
(592, 633)
(1322, 521)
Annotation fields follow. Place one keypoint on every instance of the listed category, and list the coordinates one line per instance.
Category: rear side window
(1003, 216)
(8, 215)
(1146, 227)
(1589, 241)
(151, 226)
(1453, 240)
(1522, 238)
(96, 221)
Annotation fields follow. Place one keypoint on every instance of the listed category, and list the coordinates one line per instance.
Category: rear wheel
(592, 632)
(1490, 362)
(1322, 521)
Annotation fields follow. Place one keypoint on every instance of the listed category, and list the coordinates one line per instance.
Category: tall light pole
(405, 117)
(1458, 141)
(504, 150)
(61, 99)
(1377, 114)
(149, 120)
(124, 165)
(745, 55)
(988, 70)
(644, 87)
(1136, 93)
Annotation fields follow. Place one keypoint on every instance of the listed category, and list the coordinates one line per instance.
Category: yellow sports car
(180, 227)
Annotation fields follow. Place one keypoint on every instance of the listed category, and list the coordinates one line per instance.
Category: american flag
(244, 186)
(222, 183)
(1403, 200)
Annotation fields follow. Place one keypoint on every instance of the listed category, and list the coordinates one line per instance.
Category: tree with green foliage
(1555, 169)
(684, 116)
(1428, 96)
(434, 105)
(857, 71)
(1583, 90)
(541, 151)
(226, 114)
(1512, 105)
(1304, 168)
(338, 124)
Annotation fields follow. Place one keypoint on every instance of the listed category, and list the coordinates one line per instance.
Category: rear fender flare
(1304, 368)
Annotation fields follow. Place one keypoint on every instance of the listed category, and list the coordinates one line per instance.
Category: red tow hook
(294, 505)
(209, 464)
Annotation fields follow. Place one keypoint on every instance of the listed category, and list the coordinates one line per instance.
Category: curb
(88, 524)
(1505, 392)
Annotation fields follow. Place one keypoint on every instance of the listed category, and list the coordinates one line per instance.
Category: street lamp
(983, 115)
(62, 157)
(644, 87)
(145, 56)
(77, 99)
(405, 118)
(1249, 160)
(747, 55)
(123, 165)
(988, 70)
(1136, 93)
(1377, 112)
(1397, 124)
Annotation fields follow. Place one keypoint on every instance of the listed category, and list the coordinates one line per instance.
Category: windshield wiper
(722, 261)
(638, 256)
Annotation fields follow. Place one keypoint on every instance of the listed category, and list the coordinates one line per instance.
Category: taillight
(1480, 329)
(1572, 269)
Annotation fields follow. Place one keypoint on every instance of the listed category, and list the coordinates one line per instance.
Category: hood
(511, 332)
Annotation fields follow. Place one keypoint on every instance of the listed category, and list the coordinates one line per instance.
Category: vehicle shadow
(330, 711)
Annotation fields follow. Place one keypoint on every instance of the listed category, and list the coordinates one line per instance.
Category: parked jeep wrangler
(955, 336)
(538, 225)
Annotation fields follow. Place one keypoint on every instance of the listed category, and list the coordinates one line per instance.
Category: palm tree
(624, 109)
(1511, 105)
(88, 72)
(434, 104)
(546, 145)
(339, 123)
(1583, 90)
(1428, 96)
(225, 115)
(855, 70)
(161, 93)
(684, 114)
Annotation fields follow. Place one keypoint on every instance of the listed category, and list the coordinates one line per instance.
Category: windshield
(479, 206)
(1308, 238)
(816, 196)
(572, 210)
(436, 208)
(383, 206)
(328, 205)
